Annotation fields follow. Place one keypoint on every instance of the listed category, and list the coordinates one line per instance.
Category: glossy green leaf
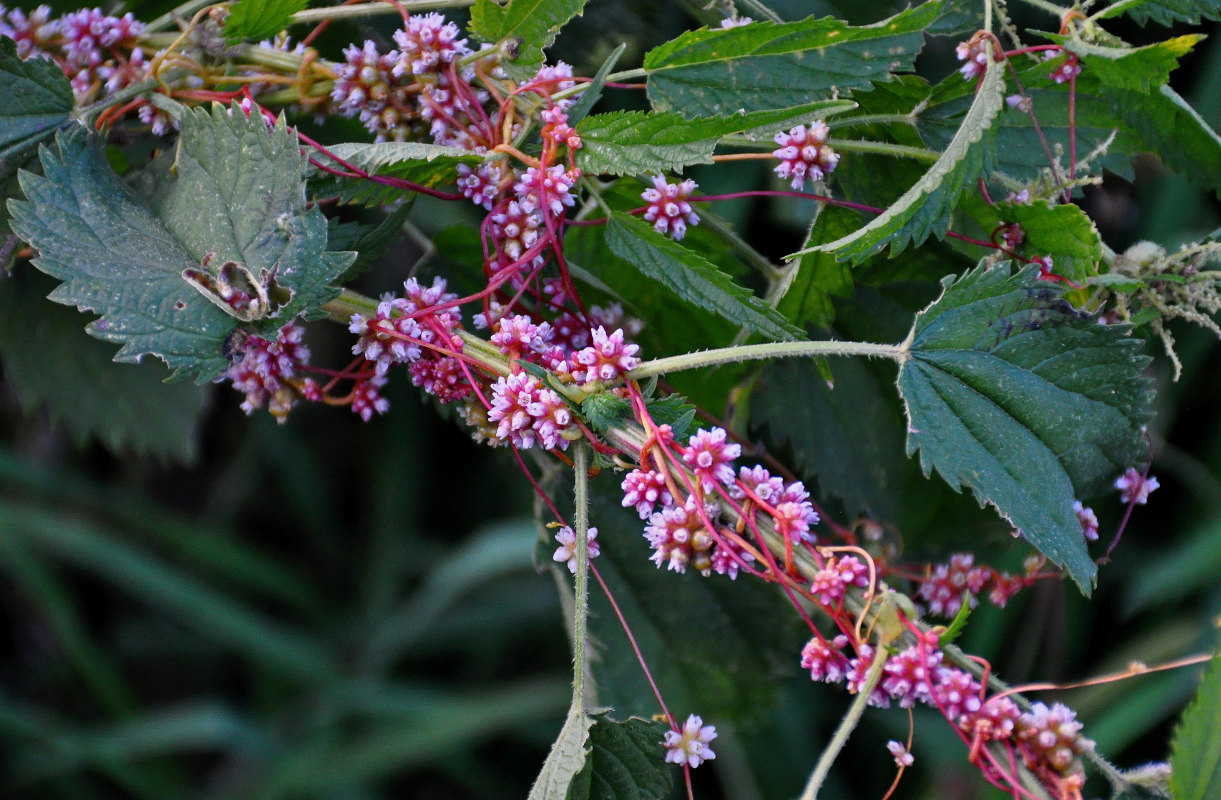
(425, 164)
(817, 276)
(691, 277)
(37, 100)
(1195, 756)
(259, 19)
(49, 365)
(925, 209)
(566, 759)
(1140, 69)
(1013, 393)
(1164, 12)
(625, 142)
(716, 72)
(530, 24)
(625, 762)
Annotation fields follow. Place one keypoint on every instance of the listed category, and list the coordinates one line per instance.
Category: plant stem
(373, 9)
(627, 74)
(871, 119)
(846, 726)
(884, 148)
(121, 96)
(1050, 8)
(752, 352)
(580, 606)
(184, 11)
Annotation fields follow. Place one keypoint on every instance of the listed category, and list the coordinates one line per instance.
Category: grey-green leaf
(692, 277)
(530, 24)
(1196, 749)
(37, 100)
(771, 65)
(565, 760)
(1012, 392)
(925, 209)
(1165, 12)
(625, 142)
(259, 19)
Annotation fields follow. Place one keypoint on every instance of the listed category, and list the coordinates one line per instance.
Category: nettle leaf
(49, 365)
(624, 142)
(1167, 125)
(770, 65)
(259, 19)
(1140, 69)
(425, 164)
(1164, 12)
(692, 277)
(532, 24)
(37, 100)
(819, 276)
(566, 759)
(238, 196)
(1195, 752)
(1064, 232)
(625, 762)
(958, 18)
(1028, 402)
(926, 208)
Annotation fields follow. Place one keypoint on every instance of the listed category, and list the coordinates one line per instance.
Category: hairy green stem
(373, 9)
(846, 726)
(627, 74)
(184, 11)
(580, 606)
(1050, 8)
(752, 256)
(885, 149)
(871, 119)
(755, 352)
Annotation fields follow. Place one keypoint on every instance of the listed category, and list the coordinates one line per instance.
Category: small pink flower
(551, 190)
(825, 660)
(1088, 520)
(804, 153)
(554, 78)
(480, 185)
(678, 538)
(902, 757)
(689, 746)
(644, 490)
(974, 55)
(711, 457)
(1135, 489)
(669, 208)
(428, 43)
(1067, 71)
(267, 372)
(511, 398)
(908, 675)
(606, 359)
(1051, 737)
(518, 335)
(567, 551)
(367, 399)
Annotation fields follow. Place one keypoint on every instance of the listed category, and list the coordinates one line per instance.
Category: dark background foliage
(219, 606)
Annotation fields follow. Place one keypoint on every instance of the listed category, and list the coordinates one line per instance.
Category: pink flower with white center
(443, 378)
(851, 571)
(390, 337)
(902, 757)
(796, 492)
(644, 490)
(858, 671)
(994, 722)
(1046, 268)
(606, 359)
(760, 482)
(678, 538)
(727, 559)
(551, 190)
(942, 591)
(792, 522)
(511, 398)
(1088, 520)
(365, 86)
(557, 129)
(1134, 488)
(518, 336)
(957, 695)
(1020, 101)
(908, 676)
(480, 185)
(711, 457)
(552, 418)
(34, 33)
(267, 372)
(804, 153)
(826, 660)
(974, 55)
(427, 43)
(567, 551)
(1051, 737)
(1067, 71)
(552, 79)
(367, 399)
(689, 747)
(669, 209)
(88, 31)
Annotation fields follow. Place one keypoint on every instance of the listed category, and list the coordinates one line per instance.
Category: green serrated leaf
(533, 24)
(770, 65)
(424, 164)
(819, 276)
(259, 19)
(368, 241)
(675, 411)
(625, 142)
(37, 100)
(1064, 232)
(566, 759)
(693, 278)
(238, 196)
(1164, 12)
(48, 364)
(958, 18)
(926, 208)
(1195, 751)
(604, 410)
(624, 763)
(1013, 393)
(1140, 69)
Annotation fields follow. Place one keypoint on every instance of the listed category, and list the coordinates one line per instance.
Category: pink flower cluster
(525, 411)
(566, 553)
(804, 153)
(268, 372)
(669, 207)
(943, 590)
(974, 55)
(1134, 487)
(367, 86)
